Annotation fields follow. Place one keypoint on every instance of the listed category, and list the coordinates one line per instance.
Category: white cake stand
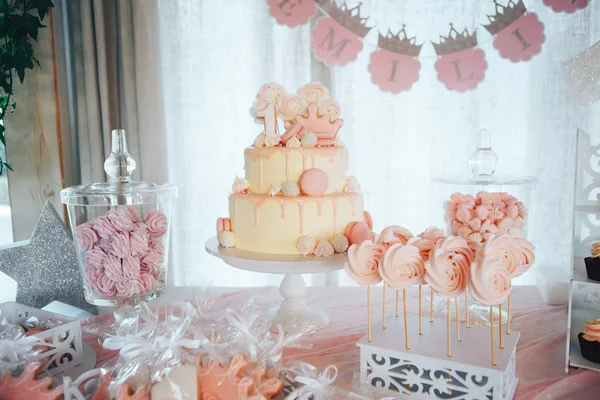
(292, 288)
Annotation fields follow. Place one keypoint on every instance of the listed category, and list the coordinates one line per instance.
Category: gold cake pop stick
(431, 304)
(397, 308)
(457, 320)
(420, 313)
(405, 319)
(448, 327)
(369, 313)
(384, 322)
(508, 317)
(492, 335)
(500, 333)
(467, 308)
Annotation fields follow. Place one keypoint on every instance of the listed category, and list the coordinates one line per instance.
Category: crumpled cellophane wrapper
(306, 382)
(16, 349)
(227, 348)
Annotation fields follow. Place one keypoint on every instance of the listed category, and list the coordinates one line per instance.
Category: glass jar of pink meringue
(121, 232)
(484, 204)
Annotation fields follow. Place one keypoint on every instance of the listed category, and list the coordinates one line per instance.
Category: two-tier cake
(296, 196)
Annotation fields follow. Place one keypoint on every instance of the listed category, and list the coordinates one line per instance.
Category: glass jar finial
(483, 161)
(119, 165)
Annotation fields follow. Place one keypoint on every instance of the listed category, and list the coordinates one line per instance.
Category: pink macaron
(357, 232)
(368, 219)
(313, 182)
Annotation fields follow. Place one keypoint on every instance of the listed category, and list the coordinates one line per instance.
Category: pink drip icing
(260, 174)
(353, 201)
(334, 216)
(301, 210)
(320, 207)
(282, 205)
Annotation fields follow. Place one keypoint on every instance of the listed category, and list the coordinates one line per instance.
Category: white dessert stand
(292, 288)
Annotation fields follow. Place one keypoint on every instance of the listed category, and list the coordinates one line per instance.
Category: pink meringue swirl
(148, 282)
(120, 221)
(86, 236)
(101, 284)
(103, 227)
(157, 223)
(113, 268)
(131, 267)
(516, 253)
(139, 240)
(127, 288)
(119, 245)
(448, 267)
(402, 266)
(128, 211)
(157, 247)
(151, 263)
(363, 262)
(393, 234)
(425, 246)
(489, 281)
(94, 258)
(433, 234)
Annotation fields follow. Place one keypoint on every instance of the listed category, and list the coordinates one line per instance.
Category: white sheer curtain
(215, 55)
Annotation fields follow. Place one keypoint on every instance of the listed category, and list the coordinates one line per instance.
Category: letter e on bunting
(292, 12)
(569, 6)
(337, 39)
(395, 67)
(461, 64)
(519, 34)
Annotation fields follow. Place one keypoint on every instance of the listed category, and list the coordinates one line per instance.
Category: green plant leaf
(2, 137)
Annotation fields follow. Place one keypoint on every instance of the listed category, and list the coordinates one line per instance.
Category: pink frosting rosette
(394, 234)
(156, 222)
(313, 92)
(433, 234)
(103, 227)
(363, 263)
(120, 220)
(292, 106)
(103, 285)
(448, 268)
(516, 253)
(86, 236)
(402, 266)
(489, 281)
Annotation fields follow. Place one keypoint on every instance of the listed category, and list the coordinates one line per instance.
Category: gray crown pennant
(45, 267)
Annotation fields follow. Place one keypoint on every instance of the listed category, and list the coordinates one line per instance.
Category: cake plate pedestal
(292, 288)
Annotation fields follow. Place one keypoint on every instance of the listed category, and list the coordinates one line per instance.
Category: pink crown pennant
(337, 39)
(518, 34)
(568, 6)
(395, 66)
(461, 64)
(292, 12)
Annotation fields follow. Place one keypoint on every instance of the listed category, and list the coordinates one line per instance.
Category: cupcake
(589, 340)
(592, 264)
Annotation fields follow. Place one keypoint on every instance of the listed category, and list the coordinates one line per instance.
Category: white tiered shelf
(579, 272)
(293, 308)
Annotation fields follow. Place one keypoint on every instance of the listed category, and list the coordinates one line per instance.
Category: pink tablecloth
(540, 354)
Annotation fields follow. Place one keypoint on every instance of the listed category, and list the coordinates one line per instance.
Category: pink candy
(123, 256)
(477, 218)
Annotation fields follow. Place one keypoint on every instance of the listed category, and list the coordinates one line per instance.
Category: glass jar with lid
(121, 231)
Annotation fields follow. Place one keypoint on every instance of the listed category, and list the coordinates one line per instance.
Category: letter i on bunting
(518, 34)
(292, 12)
(337, 39)
(395, 66)
(461, 64)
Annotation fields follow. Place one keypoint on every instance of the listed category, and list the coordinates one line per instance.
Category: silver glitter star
(584, 73)
(45, 267)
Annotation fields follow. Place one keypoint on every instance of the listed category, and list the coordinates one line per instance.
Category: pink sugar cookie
(357, 232)
(121, 222)
(157, 223)
(313, 182)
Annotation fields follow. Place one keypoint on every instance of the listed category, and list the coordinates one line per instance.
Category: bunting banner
(339, 35)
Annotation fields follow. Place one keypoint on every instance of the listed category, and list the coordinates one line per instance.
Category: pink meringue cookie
(86, 236)
(475, 224)
(128, 211)
(363, 263)
(120, 221)
(157, 247)
(448, 267)
(463, 214)
(433, 234)
(157, 223)
(148, 283)
(151, 263)
(400, 232)
(425, 246)
(113, 268)
(128, 288)
(139, 241)
(482, 212)
(516, 253)
(119, 245)
(489, 281)
(94, 258)
(101, 284)
(402, 266)
(131, 267)
(103, 227)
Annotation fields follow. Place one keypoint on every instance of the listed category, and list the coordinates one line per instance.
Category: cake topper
(325, 130)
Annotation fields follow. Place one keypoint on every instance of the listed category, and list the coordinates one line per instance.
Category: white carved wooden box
(63, 343)
(426, 372)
